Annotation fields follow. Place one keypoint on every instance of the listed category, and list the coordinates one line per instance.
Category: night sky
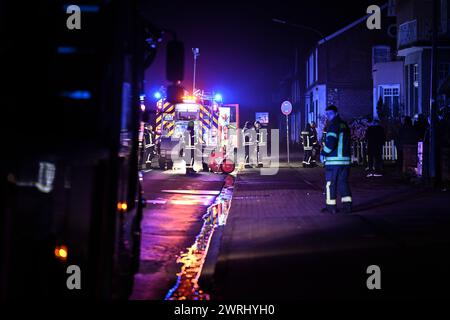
(243, 54)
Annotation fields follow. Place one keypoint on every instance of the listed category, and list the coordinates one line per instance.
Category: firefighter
(316, 145)
(323, 137)
(247, 143)
(189, 145)
(308, 142)
(336, 154)
(257, 126)
(149, 146)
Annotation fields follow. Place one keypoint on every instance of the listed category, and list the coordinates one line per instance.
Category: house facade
(339, 71)
(388, 82)
(414, 35)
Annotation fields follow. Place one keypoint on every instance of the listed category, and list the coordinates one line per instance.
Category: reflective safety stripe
(338, 158)
(331, 134)
(326, 149)
(340, 144)
(346, 199)
(215, 119)
(169, 125)
(337, 163)
(329, 201)
(205, 111)
(170, 109)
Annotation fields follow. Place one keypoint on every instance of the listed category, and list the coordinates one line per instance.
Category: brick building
(339, 70)
(414, 25)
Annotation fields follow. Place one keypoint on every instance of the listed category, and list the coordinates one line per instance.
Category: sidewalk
(278, 245)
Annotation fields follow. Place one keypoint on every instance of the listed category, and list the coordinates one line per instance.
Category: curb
(206, 279)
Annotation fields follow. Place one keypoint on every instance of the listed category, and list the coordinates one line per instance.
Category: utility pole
(287, 138)
(433, 165)
(196, 52)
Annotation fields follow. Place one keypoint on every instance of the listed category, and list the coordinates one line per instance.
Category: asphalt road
(172, 219)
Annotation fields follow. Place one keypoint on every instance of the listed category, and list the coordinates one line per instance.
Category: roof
(348, 27)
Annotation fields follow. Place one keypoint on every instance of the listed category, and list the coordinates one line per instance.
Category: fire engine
(214, 142)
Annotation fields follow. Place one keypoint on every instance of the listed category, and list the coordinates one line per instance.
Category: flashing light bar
(190, 99)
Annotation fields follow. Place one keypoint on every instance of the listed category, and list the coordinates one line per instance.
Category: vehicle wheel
(162, 164)
(227, 166)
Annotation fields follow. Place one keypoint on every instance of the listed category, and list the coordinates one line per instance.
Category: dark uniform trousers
(149, 149)
(307, 157)
(375, 158)
(148, 157)
(337, 181)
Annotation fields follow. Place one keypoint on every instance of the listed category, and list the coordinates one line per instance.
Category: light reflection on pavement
(171, 222)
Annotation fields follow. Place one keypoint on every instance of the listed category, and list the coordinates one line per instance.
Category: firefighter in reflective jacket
(149, 146)
(189, 145)
(309, 141)
(247, 143)
(336, 154)
(259, 141)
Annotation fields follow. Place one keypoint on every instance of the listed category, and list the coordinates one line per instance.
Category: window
(316, 78)
(391, 100)
(307, 73)
(407, 33)
(316, 112)
(381, 54)
(443, 25)
(415, 89)
(416, 75)
(444, 71)
(312, 68)
(295, 89)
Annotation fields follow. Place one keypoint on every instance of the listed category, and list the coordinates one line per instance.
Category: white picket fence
(359, 152)
(390, 151)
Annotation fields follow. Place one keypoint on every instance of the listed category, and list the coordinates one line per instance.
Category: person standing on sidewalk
(246, 131)
(375, 138)
(406, 144)
(259, 139)
(336, 154)
(322, 143)
(316, 144)
(308, 141)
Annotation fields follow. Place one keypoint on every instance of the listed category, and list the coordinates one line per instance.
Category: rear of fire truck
(214, 134)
